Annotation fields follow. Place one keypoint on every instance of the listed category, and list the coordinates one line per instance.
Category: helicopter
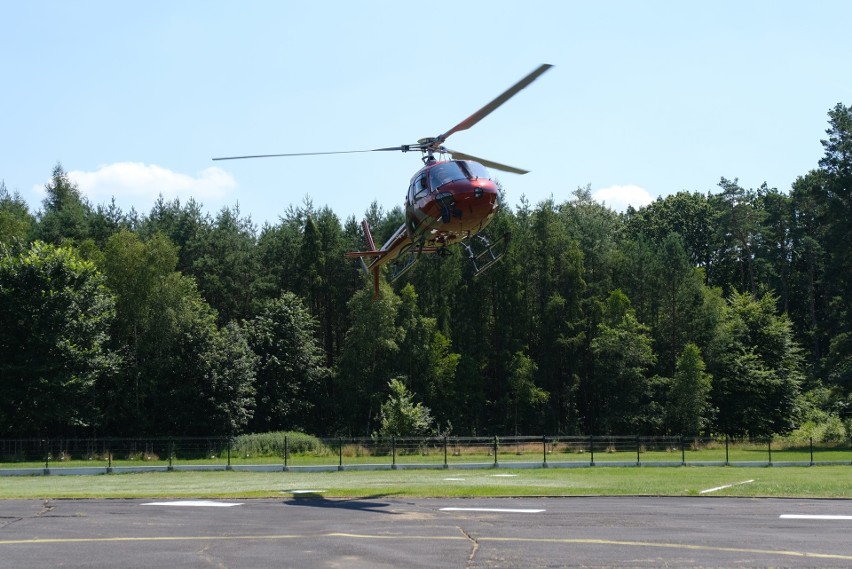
(449, 201)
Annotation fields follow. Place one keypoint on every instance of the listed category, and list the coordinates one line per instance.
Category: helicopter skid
(483, 254)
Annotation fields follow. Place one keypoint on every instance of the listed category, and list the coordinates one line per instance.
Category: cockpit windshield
(445, 173)
(477, 170)
(457, 170)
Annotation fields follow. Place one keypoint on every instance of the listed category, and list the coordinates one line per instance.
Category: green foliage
(369, 357)
(135, 271)
(737, 225)
(523, 391)
(622, 358)
(689, 215)
(65, 214)
(688, 408)
(225, 264)
(16, 222)
(821, 418)
(290, 375)
(831, 430)
(176, 352)
(227, 386)
(426, 357)
(401, 416)
(55, 314)
(272, 444)
(756, 366)
(182, 373)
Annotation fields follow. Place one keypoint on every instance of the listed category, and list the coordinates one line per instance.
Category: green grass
(809, 482)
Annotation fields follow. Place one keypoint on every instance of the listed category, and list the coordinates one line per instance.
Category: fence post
(727, 462)
(769, 446)
(109, 458)
(171, 452)
(592, 449)
(812, 451)
(495, 451)
(286, 452)
(46, 448)
(445, 452)
(340, 454)
(393, 453)
(228, 466)
(544, 449)
(682, 452)
(638, 446)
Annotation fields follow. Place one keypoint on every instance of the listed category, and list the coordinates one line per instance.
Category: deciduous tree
(291, 376)
(55, 314)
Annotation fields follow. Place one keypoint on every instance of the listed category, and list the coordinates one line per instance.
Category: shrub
(272, 444)
(829, 430)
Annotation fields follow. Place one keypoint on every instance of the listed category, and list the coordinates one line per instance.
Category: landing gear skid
(482, 253)
(404, 262)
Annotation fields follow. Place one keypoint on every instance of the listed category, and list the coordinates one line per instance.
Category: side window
(421, 188)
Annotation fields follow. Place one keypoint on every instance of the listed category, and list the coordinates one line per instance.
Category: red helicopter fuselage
(449, 201)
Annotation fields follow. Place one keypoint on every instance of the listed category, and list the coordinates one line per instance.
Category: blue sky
(645, 98)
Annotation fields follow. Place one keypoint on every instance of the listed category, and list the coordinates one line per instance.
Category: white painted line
(305, 491)
(504, 475)
(813, 517)
(454, 479)
(717, 488)
(195, 504)
(501, 510)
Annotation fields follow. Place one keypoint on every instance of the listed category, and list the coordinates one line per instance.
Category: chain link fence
(99, 455)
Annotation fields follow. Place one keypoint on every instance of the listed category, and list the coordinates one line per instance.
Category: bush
(829, 430)
(272, 444)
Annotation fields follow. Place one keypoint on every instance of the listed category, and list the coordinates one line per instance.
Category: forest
(725, 312)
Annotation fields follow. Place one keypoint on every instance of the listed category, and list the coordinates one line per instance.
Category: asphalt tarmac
(305, 530)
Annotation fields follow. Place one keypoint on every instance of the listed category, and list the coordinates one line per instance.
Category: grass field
(809, 482)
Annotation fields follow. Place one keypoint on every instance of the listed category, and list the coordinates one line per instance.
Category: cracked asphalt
(309, 531)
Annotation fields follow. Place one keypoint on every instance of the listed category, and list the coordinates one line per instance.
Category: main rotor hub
(428, 146)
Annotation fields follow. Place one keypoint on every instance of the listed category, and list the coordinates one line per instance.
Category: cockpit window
(477, 170)
(445, 173)
(419, 187)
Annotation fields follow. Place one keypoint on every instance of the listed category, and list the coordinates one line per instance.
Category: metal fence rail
(99, 455)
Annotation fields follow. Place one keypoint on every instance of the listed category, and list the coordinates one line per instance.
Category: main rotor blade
(487, 109)
(490, 163)
(404, 148)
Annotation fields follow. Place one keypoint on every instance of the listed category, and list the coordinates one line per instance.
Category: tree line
(723, 312)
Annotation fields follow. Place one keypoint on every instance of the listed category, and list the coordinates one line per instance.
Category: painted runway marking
(499, 510)
(195, 504)
(454, 479)
(813, 517)
(504, 475)
(717, 488)
(305, 491)
(385, 537)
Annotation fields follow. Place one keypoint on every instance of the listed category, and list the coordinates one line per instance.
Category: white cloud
(619, 197)
(138, 182)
